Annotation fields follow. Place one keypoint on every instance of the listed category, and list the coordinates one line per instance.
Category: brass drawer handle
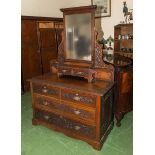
(61, 116)
(44, 90)
(72, 72)
(77, 127)
(46, 117)
(77, 112)
(45, 103)
(76, 97)
(79, 72)
(64, 71)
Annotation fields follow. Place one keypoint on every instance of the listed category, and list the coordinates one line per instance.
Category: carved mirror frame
(81, 68)
(74, 11)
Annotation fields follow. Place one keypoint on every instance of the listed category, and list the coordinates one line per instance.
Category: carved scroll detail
(98, 55)
(61, 51)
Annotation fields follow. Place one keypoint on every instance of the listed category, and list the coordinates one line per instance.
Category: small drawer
(62, 122)
(65, 71)
(78, 97)
(80, 73)
(46, 90)
(63, 107)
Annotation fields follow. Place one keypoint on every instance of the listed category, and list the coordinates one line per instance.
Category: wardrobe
(40, 38)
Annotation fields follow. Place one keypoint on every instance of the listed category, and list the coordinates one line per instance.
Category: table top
(98, 87)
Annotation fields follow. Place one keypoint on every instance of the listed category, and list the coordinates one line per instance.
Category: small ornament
(125, 11)
(127, 14)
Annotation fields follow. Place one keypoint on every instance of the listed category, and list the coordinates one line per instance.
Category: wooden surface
(98, 87)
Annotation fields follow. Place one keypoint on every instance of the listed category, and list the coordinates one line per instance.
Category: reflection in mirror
(78, 36)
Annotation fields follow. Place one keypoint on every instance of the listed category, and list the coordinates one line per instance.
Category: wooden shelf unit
(123, 40)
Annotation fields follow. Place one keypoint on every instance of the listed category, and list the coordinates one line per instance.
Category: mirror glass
(78, 36)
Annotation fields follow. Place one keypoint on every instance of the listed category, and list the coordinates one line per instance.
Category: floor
(38, 140)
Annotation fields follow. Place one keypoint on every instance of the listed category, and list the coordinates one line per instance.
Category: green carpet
(38, 140)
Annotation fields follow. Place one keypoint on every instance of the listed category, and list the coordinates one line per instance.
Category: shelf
(123, 39)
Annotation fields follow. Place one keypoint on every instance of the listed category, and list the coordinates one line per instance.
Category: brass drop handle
(45, 103)
(72, 72)
(64, 71)
(77, 127)
(44, 90)
(46, 117)
(77, 112)
(79, 72)
(76, 97)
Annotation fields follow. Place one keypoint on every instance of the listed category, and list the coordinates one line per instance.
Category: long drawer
(78, 97)
(46, 90)
(62, 122)
(63, 107)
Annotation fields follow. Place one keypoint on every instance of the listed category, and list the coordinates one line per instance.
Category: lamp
(109, 41)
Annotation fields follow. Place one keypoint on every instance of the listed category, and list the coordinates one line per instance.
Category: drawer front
(74, 72)
(46, 90)
(75, 96)
(65, 123)
(66, 71)
(54, 104)
(81, 73)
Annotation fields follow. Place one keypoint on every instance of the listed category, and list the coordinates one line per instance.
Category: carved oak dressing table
(76, 98)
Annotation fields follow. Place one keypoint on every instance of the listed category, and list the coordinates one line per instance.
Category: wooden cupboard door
(47, 38)
(48, 47)
(30, 56)
(47, 56)
(126, 91)
(29, 36)
(31, 65)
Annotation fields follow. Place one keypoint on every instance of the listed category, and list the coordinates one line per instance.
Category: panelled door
(30, 56)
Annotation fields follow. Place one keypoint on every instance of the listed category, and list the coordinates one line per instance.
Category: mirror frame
(81, 10)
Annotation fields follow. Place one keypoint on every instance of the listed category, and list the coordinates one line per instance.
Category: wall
(51, 8)
(48, 8)
(108, 23)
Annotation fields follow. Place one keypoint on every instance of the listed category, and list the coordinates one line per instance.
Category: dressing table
(76, 97)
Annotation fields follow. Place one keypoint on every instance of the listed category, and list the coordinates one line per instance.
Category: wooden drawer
(78, 97)
(65, 71)
(46, 90)
(74, 72)
(82, 73)
(88, 114)
(62, 122)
